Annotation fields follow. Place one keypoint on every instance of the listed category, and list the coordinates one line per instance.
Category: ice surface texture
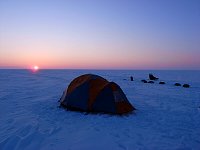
(168, 117)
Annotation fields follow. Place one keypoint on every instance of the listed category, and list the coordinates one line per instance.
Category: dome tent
(92, 93)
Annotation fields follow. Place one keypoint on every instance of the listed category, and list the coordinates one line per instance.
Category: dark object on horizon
(144, 81)
(92, 93)
(161, 82)
(152, 77)
(151, 82)
(177, 84)
(131, 78)
(186, 85)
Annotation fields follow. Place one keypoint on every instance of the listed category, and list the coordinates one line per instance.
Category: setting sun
(35, 68)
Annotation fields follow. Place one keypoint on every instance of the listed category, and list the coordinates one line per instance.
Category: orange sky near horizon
(48, 60)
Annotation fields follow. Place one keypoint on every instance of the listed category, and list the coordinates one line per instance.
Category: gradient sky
(100, 34)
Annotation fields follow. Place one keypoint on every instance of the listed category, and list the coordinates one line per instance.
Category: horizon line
(164, 69)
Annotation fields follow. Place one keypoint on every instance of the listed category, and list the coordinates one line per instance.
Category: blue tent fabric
(105, 101)
(73, 99)
(93, 93)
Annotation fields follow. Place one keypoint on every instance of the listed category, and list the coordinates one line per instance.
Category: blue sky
(100, 34)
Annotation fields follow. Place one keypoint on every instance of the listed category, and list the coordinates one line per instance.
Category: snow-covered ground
(167, 117)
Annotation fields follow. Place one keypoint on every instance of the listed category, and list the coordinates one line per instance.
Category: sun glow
(35, 68)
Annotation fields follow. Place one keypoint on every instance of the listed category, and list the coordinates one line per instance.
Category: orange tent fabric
(93, 93)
